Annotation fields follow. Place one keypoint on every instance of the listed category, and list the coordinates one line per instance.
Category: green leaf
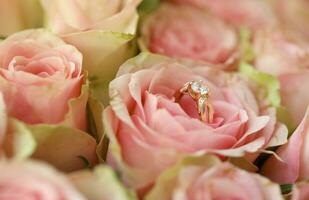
(284, 117)
(102, 149)
(267, 81)
(95, 110)
(286, 188)
(148, 6)
(95, 107)
(92, 128)
(247, 52)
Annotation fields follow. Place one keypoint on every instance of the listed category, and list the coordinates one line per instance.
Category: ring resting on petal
(200, 93)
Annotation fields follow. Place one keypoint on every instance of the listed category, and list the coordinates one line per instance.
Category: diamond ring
(200, 93)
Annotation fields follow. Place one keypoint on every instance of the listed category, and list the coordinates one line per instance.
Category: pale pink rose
(185, 32)
(253, 13)
(278, 52)
(294, 165)
(34, 180)
(283, 55)
(294, 16)
(221, 181)
(301, 191)
(39, 76)
(74, 16)
(153, 131)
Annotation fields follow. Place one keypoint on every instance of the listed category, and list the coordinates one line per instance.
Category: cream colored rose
(75, 15)
(16, 15)
(101, 29)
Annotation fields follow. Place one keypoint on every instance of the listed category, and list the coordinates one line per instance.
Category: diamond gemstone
(199, 87)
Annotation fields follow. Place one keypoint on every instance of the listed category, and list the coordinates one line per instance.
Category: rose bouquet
(154, 100)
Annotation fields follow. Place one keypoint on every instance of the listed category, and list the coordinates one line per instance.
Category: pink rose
(149, 131)
(295, 163)
(253, 13)
(34, 180)
(184, 32)
(209, 179)
(279, 53)
(286, 57)
(301, 191)
(40, 76)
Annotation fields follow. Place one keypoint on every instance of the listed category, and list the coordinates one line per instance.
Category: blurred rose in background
(206, 178)
(285, 56)
(34, 180)
(17, 15)
(254, 14)
(189, 33)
